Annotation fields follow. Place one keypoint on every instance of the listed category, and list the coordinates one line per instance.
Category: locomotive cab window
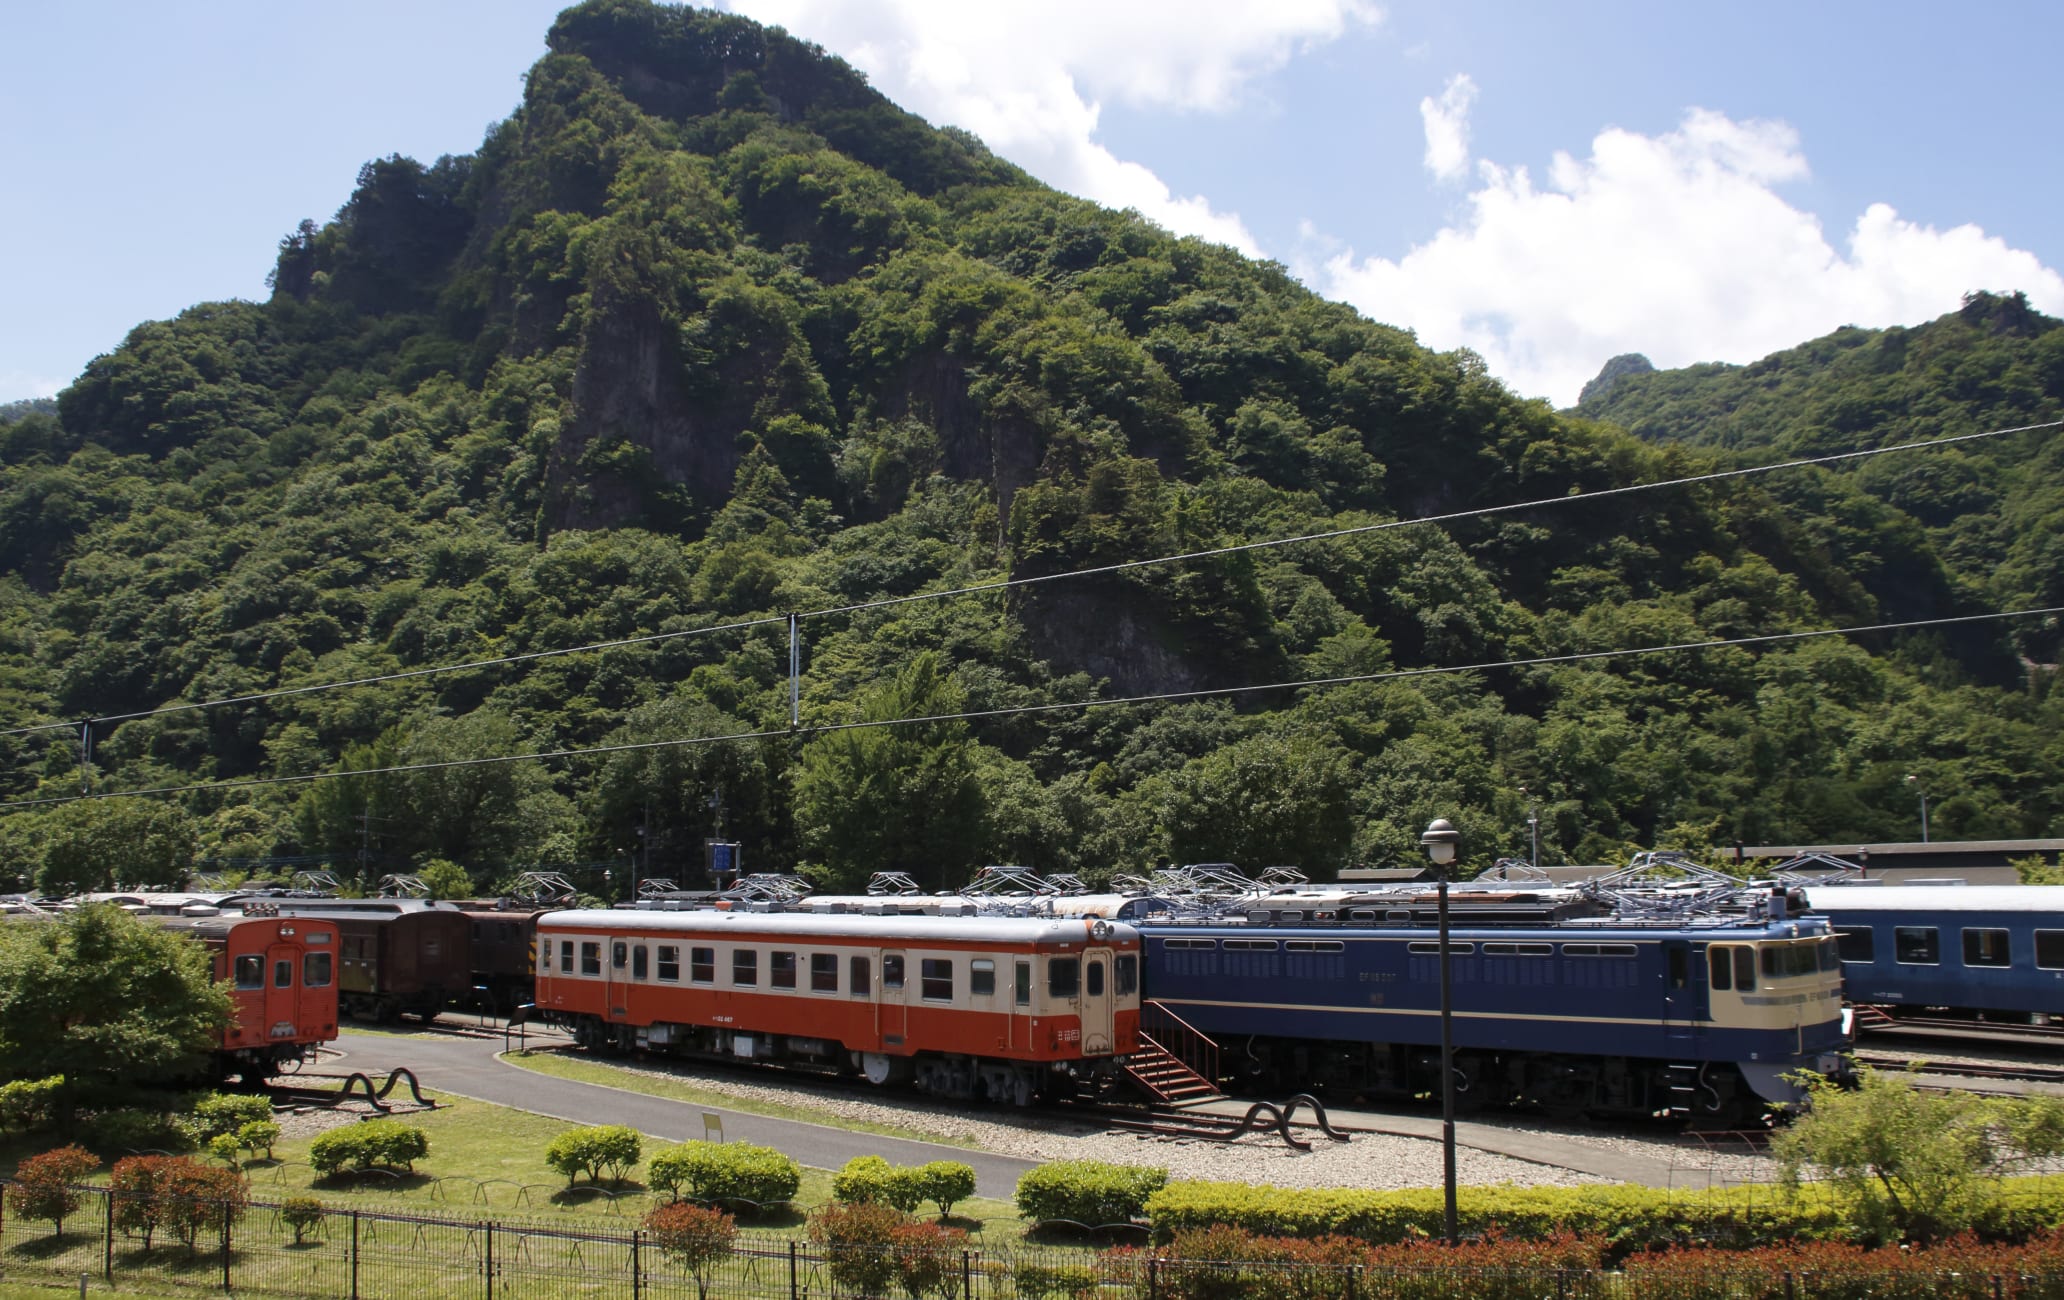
(702, 965)
(1987, 947)
(1783, 959)
(1093, 979)
(1859, 944)
(1063, 977)
(1125, 970)
(1721, 967)
(2049, 949)
(315, 970)
(283, 974)
(981, 978)
(669, 963)
(591, 959)
(250, 972)
(935, 976)
(745, 966)
(1917, 945)
(781, 970)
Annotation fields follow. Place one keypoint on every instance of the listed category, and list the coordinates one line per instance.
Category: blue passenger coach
(1598, 1014)
(1992, 949)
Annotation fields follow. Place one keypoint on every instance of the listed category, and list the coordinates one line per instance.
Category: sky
(1548, 185)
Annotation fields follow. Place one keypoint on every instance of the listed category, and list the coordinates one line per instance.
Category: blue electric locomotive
(1992, 950)
(1561, 1002)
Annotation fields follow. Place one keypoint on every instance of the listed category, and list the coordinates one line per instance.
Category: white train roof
(1843, 900)
(902, 929)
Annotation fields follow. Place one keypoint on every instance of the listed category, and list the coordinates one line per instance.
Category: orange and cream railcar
(973, 1007)
(281, 976)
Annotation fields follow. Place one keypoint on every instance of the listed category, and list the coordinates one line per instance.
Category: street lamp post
(1914, 783)
(1440, 840)
(1533, 821)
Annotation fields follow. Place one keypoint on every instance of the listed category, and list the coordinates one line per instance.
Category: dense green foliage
(610, 1150)
(737, 1174)
(374, 1144)
(709, 332)
(1087, 1192)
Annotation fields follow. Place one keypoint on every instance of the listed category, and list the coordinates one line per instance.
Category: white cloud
(1030, 80)
(16, 385)
(1447, 128)
(1678, 246)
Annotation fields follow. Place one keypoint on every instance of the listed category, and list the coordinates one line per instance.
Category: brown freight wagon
(396, 956)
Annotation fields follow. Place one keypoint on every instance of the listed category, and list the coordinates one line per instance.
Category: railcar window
(935, 979)
(670, 963)
(1189, 943)
(283, 974)
(1722, 966)
(1313, 945)
(781, 970)
(1859, 944)
(1917, 945)
(1250, 945)
(1063, 977)
(1023, 994)
(745, 966)
(566, 956)
(591, 959)
(892, 972)
(1093, 979)
(1125, 968)
(861, 983)
(1431, 948)
(1513, 949)
(2049, 949)
(982, 978)
(1987, 947)
(1744, 967)
(315, 970)
(824, 972)
(702, 965)
(250, 972)
(638, 966)
(1830, 955)
(618, 952)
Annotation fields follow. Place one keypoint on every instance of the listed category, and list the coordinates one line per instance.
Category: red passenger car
(281, 975)
(990, 1007)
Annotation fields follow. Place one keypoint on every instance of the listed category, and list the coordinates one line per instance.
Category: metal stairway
(1175, 1064)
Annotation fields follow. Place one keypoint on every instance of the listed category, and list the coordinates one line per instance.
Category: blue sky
(1549, 185)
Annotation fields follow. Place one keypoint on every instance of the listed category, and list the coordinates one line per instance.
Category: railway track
(1974, 1031)
(2005, 1071)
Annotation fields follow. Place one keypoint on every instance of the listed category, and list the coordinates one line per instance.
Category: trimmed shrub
(29, 1104)
(172, 1191)
(43, 1184)
(374, 1144)
(612, 1149)
(127, 1129)
(859, 1243)
(1088, 1192)
(1055, 1281)
(871, 1180)
(304, 1214)
(223, 1113)
(945, 1183)
(693, 1237)
(725, 1173)
(258, 1135)
(225, 1147)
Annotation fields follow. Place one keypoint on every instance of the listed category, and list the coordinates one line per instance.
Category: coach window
(702, 965)
(618, 951)
(781, 969)
(283, 974)
(250, 972)
(1744, 967)
(1093, 979)
(315, 970)
(823, 972)
(1125, 967)
(638, 966)
(566, 956)
(745, 966)
(862, 978)
(2049, 949)
(892, 972)
(670, 963)
(935, 979)
(1722, 966)
(1859, 944)
(591, 959)
(981, 978)
(1916, 945)
(1986, 948)
(1023, 994)
(1063, 977)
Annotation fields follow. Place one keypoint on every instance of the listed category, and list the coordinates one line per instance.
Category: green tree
(446, 879)
(99, 844)
(109, 1000)
(895, 797)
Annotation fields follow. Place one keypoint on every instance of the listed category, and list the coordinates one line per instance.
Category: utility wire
(1398, 674)
(1005, 584)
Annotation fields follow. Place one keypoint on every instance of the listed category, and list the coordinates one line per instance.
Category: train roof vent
(1290, 917)
(1398, 916)
(1938, 882)
(199, 909)
(1258, 918)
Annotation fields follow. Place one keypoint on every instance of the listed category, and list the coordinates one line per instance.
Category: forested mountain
(709, 333)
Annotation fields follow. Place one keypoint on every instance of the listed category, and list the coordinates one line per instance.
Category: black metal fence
(374, 1254)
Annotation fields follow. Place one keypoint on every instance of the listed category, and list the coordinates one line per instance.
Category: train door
(1096, 1002)
(891, 1011)
(1681, 1001)
(1020, 1033)
(616, 974)
(282, 989)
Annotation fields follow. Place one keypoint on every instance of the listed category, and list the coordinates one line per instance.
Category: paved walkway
(467, 1067)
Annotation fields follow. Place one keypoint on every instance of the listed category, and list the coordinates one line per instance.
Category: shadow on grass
(1054, 1232)
(624, 1193)
(373, 1180)
(51, 1247)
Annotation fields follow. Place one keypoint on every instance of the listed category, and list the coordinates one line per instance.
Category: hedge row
(1631, 1218)
(1088, 1192)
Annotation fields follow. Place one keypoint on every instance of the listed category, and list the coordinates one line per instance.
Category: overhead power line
(1398, 674)
(1005, 584)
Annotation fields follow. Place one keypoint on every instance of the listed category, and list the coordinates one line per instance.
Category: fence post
(967, 1275)
(1154, 1278)
(354, 1255)
(793, 1292)
(637, 1278)
(225, 1245)
(1788, 1285)
(1354, 1282)
(107, 1261)
(490, 1259)
(1561, 1284)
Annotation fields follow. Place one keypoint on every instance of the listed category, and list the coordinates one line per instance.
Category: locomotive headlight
(1100, 930)
(286, 932)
